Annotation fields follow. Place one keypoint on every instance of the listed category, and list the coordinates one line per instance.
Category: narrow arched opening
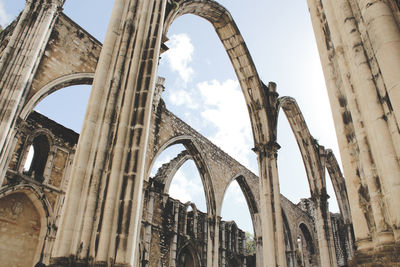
(306, 254)
(37, 156)
(187, 257)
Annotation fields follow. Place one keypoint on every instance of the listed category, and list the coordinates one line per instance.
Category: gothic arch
(250, 196)
(195, 153)
(253, 89)
(245, 185)
(54, 85)
(314, 159)
(187, 252)
(339, 185)
(306, 143)
(309, 149)
(307, 243)
(42, 207)
(166, 177)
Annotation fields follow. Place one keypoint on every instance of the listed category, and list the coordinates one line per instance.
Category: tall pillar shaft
(384, 35)
(373, 117)
(109, 164)
(271, 211)
(18, 64)
(324, 31)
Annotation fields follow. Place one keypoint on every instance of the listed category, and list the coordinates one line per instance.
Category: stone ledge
(382, 257)
(72, 262)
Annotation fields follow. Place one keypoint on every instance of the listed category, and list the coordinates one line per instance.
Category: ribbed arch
(308, 146)
(310, 152)
(53, 86)
(193, 150)
(253, 89)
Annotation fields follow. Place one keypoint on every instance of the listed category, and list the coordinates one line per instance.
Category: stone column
(173, 248)
(271, 212)
(101, 218)
(49, 164)
(384, 35)
(376, 127)
(18, 65)
(324, 230)
(223, 244)
(148, 227)
(358, 163)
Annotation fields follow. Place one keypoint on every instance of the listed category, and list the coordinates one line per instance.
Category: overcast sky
(202, 89)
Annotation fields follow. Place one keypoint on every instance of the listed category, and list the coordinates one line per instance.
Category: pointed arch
(254, 91)
(187, 256)
(309, 148)
(195, 154)
(247, 186)
(51, 87)
(339, 185)
(43, 209)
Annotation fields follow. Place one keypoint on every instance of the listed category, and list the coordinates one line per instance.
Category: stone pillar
(216, 242)
(49, 164)
(102, 212)
(173, 248)
(377, 154)
(384, 35)
(18, 65)
(364, 194)
(148, 227)
(223, 244)
(324, 230)
(271, 212)
(325, 33)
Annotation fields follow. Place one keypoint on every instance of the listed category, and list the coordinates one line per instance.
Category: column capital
(269, 149)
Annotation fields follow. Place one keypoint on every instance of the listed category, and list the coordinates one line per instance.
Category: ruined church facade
(92, 203)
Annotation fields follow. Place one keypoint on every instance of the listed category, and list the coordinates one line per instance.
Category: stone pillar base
(72, 262)
(388, 256)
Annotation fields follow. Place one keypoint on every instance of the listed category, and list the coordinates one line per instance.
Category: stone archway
(21, 227)
(187, 257)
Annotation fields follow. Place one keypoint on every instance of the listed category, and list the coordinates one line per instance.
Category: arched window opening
(191, 220)
(306, 249)
(41, 148)
(186, 258)
(28, 161)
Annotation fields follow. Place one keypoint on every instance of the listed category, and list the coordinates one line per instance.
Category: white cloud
(234, 194)
(183, 98)
(180, 54)
(185, 189)
(4, 16)
(225, 109)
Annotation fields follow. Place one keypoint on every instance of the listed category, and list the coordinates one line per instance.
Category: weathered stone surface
(43, 51)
